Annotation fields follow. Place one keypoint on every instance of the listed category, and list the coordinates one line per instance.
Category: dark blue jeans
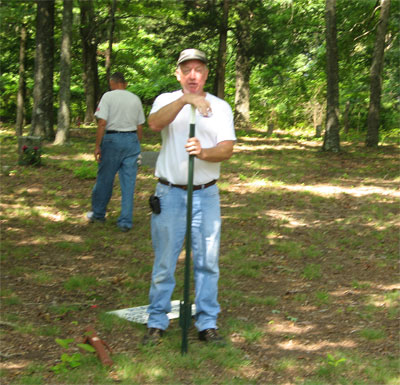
(119, 153)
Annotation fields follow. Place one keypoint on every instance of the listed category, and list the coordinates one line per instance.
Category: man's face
(192, 75)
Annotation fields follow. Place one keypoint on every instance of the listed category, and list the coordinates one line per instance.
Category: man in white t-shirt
(119, 131)
(213, 142)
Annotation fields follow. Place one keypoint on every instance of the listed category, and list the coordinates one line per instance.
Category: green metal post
(186, 306)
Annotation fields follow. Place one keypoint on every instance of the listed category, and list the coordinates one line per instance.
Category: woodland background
(331, 64)
(309, 285)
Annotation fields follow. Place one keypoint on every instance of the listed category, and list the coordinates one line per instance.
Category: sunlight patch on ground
(286, 217)
(45, 212)
(295, 345)
(14, 365)
(83, 156)
(252, 147)
(288, 327)
(250, 372)
(258, 183)
(395, 286)
(359, 191)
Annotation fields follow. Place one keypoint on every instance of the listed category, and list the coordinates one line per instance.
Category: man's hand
(193, 146)
(165, 115)
(101, 128)
(200, 102)
(97, 154)
(222, 151)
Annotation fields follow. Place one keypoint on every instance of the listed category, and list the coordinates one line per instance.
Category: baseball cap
(192, 54)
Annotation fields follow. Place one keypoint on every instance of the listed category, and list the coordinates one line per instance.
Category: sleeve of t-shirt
(102, 108)
(159, 102)
(226, 129)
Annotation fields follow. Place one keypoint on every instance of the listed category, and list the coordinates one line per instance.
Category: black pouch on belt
(154, 202)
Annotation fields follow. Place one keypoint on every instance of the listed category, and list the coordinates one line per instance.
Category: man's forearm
(139, 132)
(101, 128)
(222, 151)
(165, 115)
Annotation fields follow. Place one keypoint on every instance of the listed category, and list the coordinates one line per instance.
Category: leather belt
(119, 132)
(184, 186)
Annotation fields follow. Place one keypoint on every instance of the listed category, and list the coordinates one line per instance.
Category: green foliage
(312, 271)
(70, 361)
(31, 156)
(286, 53)
(80, 282)
(88, 170)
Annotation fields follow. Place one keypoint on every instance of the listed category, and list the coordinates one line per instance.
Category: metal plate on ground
(139, 314)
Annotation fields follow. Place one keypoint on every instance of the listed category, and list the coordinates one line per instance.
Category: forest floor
(309, 285)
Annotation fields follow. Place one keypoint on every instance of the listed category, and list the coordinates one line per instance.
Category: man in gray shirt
(119, 131)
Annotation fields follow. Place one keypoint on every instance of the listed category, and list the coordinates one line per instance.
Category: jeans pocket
(162, 190)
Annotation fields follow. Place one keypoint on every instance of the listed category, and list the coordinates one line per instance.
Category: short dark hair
(118, 77)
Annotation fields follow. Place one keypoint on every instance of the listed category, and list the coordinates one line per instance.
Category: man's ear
(178, 75)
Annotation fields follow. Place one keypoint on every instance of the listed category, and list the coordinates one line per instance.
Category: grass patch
(372, 334)
(309, 240)
(81, 282)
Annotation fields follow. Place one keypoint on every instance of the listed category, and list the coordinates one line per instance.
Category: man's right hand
(200, 102)
(97, 154)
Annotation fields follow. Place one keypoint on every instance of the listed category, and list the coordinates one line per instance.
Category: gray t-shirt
(122, 110)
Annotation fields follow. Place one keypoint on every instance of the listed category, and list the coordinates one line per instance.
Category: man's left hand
(193, 146)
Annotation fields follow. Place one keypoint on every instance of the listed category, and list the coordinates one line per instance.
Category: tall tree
(21, 83)
(243, 68)
(64, 113)
(331, 138)
(88, 31)
(110, 40)
(42, 113)
(373, 121)
(219, 88)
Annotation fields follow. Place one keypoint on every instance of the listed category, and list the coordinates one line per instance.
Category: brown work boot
(211, 335)
(153, 336)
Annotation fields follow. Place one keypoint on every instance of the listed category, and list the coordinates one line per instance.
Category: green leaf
(64, 343)
(87, 347)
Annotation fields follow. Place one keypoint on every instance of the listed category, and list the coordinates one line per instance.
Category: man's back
(121, 109)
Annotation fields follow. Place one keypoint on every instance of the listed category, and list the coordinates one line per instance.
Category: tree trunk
(42, 113)
(21, 84)
(331, 138)
(110, 41)
(242, 94)
(64, 114)
(221, 59)
(373, 121)
(90, 74)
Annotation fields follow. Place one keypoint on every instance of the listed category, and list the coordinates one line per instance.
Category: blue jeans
(168, 232)
(119, 153)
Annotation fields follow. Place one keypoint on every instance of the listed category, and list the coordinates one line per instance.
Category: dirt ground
(300, 330)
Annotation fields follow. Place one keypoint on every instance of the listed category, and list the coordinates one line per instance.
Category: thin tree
(243, 68)
(88, 30)
(64, 113)
(21, 83)
(110, 40)
(331, 138)
(221, 59)
(373, 120)
(42, 112)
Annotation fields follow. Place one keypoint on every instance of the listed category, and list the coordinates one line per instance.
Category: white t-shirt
(173, 160)
(122, 110)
